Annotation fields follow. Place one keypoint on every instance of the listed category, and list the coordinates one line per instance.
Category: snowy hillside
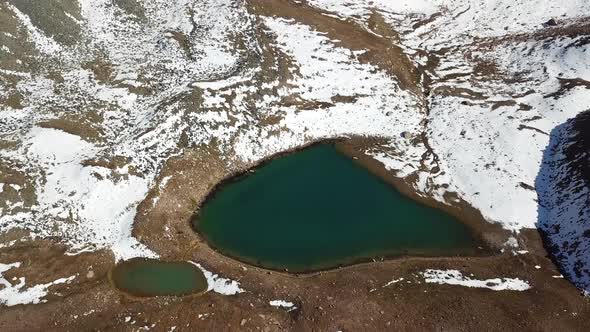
(564, 198)
(465, 94)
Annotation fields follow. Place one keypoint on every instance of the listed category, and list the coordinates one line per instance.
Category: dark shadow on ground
(563, 188)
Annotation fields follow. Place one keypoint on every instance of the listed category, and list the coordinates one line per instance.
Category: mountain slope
(563, 184)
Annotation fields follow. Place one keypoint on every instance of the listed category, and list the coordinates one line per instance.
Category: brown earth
(380, 50)
(348, 299)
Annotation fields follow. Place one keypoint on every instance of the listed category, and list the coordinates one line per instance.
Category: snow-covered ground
(564, 198)
(455, 277)
(13, 293)
(485, 152)
(219, 284)
(138, 82)
(283, 304)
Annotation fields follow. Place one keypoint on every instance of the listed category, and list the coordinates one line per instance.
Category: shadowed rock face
(564, 198)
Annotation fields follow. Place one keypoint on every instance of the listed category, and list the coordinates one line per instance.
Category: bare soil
(349, 298)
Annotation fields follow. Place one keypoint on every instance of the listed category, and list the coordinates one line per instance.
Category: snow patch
(104, 208)
(11, 295)
(44, 44)
(394, 281)
(218, 284)
(455, 277)
(283, 304)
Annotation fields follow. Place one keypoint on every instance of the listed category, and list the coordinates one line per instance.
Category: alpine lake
(318, 209)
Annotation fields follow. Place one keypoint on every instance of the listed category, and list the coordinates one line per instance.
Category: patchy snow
(363, 8)
(500, 17)
(135, 47)
(493, 171)
(218, 284)
(481, 151)
(564, 199)
(174, 79)
(283, 304)
(512, 242)
(462, 18)
(14, 294)
(164, 182)
(105, 207)
(91, 207)
(394, 281)
(45, 44)
(455, 277)
(325, 71)
(161, 187)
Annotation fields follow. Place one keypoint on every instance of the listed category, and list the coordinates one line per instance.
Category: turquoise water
(149, 277)
(317, 209)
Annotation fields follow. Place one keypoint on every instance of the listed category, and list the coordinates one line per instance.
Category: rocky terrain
(117, 117)
(564, 202)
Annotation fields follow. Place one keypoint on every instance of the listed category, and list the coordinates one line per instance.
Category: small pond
(318, 209)
(150, 277)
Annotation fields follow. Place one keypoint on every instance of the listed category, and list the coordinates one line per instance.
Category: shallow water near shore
(318, 209)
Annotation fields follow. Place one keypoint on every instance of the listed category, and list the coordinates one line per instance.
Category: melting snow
(218, 284)
(11, 295)
(454, 277)
(71, 190)
(394, 281)
(283, 304)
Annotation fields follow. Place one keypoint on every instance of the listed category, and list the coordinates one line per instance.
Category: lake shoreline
(349, 147)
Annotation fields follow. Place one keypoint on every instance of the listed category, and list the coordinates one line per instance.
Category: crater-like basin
(318, 209)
